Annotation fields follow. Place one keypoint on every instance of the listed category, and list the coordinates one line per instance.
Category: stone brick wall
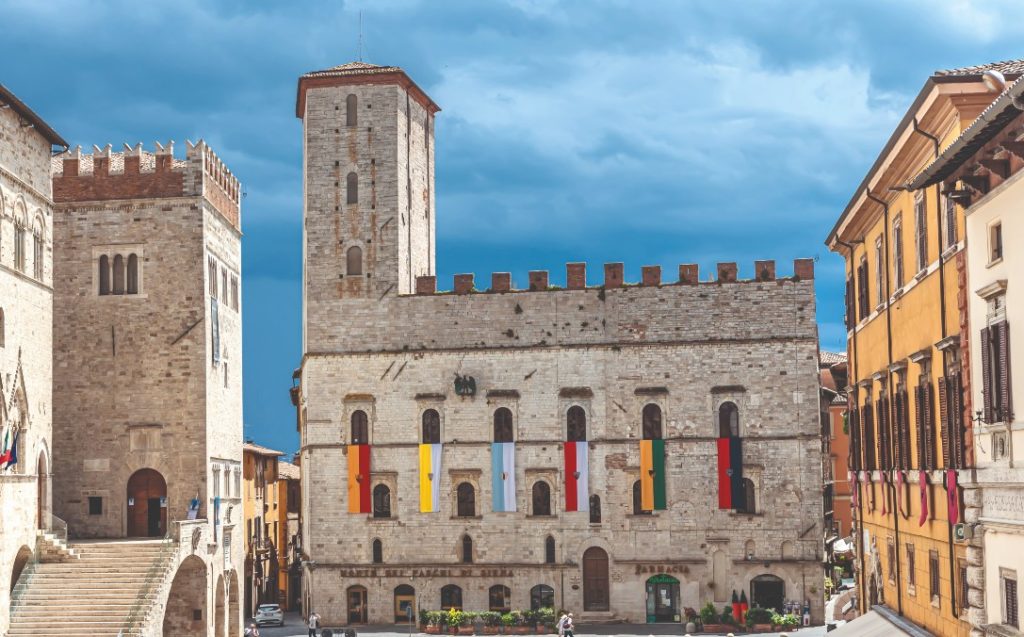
(26, 340)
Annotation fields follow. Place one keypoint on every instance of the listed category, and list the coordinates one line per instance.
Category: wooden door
(147, 515)
(356, 605)
(595, 579)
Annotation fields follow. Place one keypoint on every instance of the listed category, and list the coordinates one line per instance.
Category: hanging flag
(430, 477)
(359, 479)
(744, 606)
(503, 475)
(216, 516)
(652, 475)
(736, 606)
(731, 494)
(922, 479)
(885, 495)
(577, 476)
(5, 451)
(12, 453)
(869, 487)
(952, 496)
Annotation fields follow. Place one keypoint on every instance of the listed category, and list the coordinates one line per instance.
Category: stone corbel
(992, 289)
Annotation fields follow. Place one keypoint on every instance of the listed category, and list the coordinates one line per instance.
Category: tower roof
(358, 72)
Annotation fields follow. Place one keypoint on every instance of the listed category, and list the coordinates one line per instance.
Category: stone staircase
(95, 588)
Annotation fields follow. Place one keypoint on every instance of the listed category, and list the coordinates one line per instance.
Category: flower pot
(762, 628)
(433, 630)
(490, 630)
(691, 627)
(465, 630)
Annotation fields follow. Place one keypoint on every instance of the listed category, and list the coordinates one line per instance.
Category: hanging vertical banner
(430, 477)
(900, 486)
(359, 479)
(885, 494)
(922, 479)
(652, 475)
(503, 475)
(854, 488)
(952, 496)
(214, 330)
(577, 476)
(730, 474)
(216, 517)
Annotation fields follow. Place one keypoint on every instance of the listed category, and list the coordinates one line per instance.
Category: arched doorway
(356, 596)
(147, 504)
(405, 604)
(662, 599)
(185, 613)
(220, 596)
(42, 493)
(20, 562)
(234, 610)
(595, 579)
(768, 591)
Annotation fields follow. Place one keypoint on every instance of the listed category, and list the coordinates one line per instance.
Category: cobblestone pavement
(293, 628)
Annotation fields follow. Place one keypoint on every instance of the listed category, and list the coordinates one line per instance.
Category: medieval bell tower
(368, 200)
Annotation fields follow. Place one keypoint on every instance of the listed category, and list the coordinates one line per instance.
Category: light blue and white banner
(503, 475)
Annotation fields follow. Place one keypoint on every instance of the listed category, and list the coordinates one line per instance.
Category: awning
(842, 546)
(873, 624)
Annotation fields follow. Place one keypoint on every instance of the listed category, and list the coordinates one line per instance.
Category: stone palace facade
(620, 450)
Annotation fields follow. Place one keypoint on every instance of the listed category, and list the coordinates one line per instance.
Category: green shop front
(662, 599)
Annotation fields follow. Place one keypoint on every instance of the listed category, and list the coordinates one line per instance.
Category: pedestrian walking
(314, 623)
(561, 625)
(252, 631)
(568, 628)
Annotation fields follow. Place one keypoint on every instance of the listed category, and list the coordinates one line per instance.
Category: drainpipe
(888, 402)
(859, 532)
(942, 323)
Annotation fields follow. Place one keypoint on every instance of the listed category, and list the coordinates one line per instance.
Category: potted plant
(710, 619)
(433, 620)
(691, 619)
(545, 620)
(508, 620)
(491, 620)
(759, 619)
(466, 625)
(782, 622)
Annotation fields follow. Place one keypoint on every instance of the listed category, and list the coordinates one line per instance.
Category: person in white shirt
(313, 623)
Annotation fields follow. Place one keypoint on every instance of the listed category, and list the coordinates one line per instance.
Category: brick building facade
(437, 428)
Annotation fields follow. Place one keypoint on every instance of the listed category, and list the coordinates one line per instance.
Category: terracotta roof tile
(287, 470)
(831, 358)
(353, 68)
(261, 450)
(1006, 67)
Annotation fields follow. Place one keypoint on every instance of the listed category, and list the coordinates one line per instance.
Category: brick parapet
(135, 173)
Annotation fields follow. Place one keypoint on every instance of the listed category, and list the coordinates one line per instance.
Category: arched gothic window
(595, 509)
(118, 274)
(133, 274)
(354, 261)
(378, 552)
(466, 496)
(652, 422)
(638, 500)
(502, 424)
(542, 596)
(37, 255)
(541, 498)
(352, 188)
(500, 598)
(750, 506)
(549, 550)
(467, 549)
(104, 275)
(381, 501)
(360, 428)
(351, 110)
(728, 420)
(576, 424)
(451, 597)
(431, 427)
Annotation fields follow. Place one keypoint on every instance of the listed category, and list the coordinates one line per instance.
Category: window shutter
(929, 428)
(957, 420)
(858, 437)
(986, 372)
(945, 423)
(862, 297)
(851, 320)
(1004, 371)
(919, 419)
(869, 438)
(885, 437)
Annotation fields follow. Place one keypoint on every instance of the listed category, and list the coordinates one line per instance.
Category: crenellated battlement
(136, 173)
(651, 276)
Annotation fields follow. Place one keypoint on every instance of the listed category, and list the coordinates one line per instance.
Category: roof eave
(37, 122)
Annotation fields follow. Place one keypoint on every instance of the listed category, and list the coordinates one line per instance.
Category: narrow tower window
(360, 428)
(104, 275)
(431, 427)
(502, 425)
(728, 420)
(118, 274)
(352, 188)
(133, 274)
(354, 261)
(652, 422)
(351, 108)
(576, 424)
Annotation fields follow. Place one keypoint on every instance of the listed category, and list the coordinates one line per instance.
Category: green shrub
(455, 617)
(508, 619)
(546, 616)
(436, 617)
(727, 617)
(490, 618)
(708, 614)
(758, 615)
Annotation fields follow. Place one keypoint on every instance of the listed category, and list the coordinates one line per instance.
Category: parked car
(269, 614)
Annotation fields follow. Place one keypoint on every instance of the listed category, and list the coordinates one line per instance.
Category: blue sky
(648, 132)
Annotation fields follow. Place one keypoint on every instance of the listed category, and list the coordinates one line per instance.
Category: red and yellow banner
(359, 479)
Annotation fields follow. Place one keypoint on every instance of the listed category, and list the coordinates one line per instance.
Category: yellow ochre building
(909, 373)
